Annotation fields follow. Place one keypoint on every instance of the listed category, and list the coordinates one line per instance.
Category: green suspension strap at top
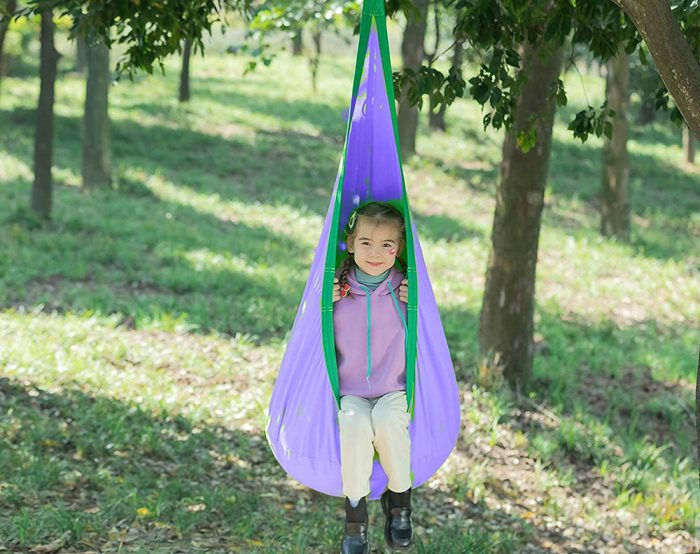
(372, 14)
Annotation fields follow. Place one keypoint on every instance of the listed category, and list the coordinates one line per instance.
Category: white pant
(369, 424)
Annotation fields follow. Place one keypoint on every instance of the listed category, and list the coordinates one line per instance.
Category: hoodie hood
(391, 284)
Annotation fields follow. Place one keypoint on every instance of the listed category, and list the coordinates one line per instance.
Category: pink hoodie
(384, 344)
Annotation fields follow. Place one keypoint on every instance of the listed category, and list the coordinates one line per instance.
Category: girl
(370, 334)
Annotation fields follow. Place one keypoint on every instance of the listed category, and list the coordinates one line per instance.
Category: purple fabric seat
(302, 422)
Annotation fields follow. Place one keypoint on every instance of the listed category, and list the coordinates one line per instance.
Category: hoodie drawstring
(369, 334)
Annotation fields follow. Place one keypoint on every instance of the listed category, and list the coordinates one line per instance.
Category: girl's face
(375, 246)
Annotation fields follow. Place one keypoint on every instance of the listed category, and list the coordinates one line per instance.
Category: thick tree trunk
(96, 134)
(80, 54)
(615, 205)
(185, 72)
(688, 145)
(506, 320)
(43, 138)
(412, 53)
(671, 52)
(11, 7)
(437, 118)
(297, 43)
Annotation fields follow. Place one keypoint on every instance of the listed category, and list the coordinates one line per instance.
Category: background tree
(615, 204)
(437, 111)
(315, 58)
(436, 120)
(8, 9)
(80, 54)
(412, 54)
(96, 127)
(688, 145)
(506, 321)
(43, 138)
(184, 94)
(297, 42)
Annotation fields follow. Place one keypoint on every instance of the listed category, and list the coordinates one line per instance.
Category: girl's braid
(345, 269)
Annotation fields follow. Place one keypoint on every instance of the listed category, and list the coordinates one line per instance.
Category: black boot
(397, 509)
(355, 536)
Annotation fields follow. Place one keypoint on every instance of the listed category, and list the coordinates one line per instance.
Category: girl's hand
(336, 290)
(403, 291)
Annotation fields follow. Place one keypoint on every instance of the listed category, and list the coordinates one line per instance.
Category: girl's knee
(386, 419)
(353, 420)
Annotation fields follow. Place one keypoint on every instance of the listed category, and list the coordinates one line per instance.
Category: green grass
(142, 327)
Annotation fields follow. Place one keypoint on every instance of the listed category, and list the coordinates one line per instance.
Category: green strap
(372, 14)
(328, 335)
(411, 274)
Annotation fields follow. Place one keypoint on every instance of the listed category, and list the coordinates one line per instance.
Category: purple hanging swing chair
(302, 420)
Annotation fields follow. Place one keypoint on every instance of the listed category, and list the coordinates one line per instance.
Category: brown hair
(379, 213)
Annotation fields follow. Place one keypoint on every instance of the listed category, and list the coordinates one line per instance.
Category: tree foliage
(150, 30)
(291, 16)
(496, 30)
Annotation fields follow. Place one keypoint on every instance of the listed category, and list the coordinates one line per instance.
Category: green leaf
(495, 97)
(526, 140)
(643, 57)
(608, 130)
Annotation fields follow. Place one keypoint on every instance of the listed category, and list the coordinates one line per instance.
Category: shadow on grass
(110, 473)
(601, 370)
(604, 370)
(327, 119)
(113, 475)
(136, 254)
(444, 228)
(147, 259)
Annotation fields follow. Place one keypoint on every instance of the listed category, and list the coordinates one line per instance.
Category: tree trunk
(43, 138)
(11, 7)
(688, 146)
(437, 118)
(80, 54)
(506, 320)
(615, 205)
(297, 43)
(671, 52)
(96, 133)
(647, 113)
(412, 53)
(185, 73)
(315, 60)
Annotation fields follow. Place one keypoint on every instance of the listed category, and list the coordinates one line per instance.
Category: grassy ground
(143, 326)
